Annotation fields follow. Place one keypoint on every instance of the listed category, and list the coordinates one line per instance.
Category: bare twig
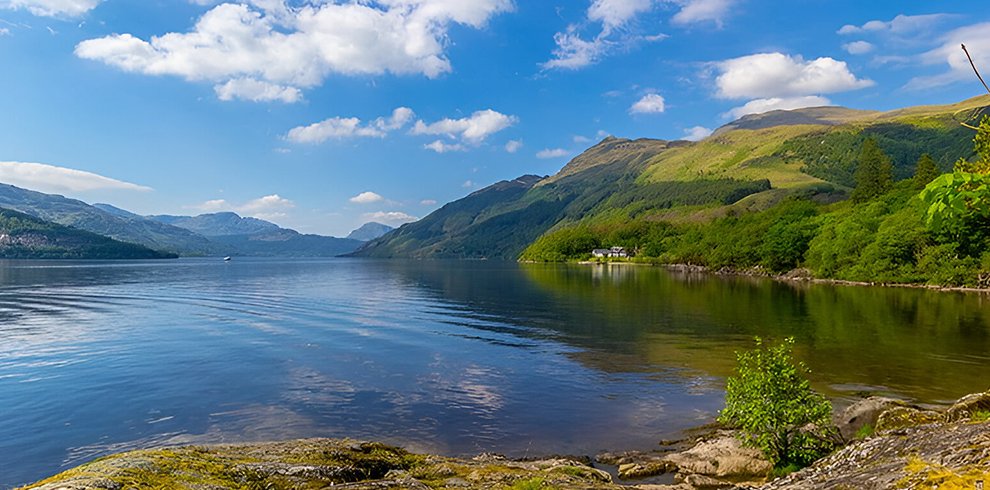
(971, 63)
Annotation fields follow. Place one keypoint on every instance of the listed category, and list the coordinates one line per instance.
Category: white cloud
(976, 37)
(440, 147)
(616, 13)
(649, 104)
(581, 139)
(513, 146)
(391, 218)
(52, 8)
(900, 25)
(696, 133)
(333, 128)
(618, 18)
(428, 202)
(4, 31)
(760, 106)
(552, 153)
(573, 52)
(51, 179)
(349, 127)
(268, 207)
(697, 11)
(367, 198)
(473, 130)
(776, 75)
(398, 120)
(257, 91)
(299, 47)
(858, 47)
(468, 184)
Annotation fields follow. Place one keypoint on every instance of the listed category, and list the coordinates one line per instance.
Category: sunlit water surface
(450, 357)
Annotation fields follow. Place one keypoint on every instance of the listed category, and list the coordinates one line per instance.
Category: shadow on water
(928, 346)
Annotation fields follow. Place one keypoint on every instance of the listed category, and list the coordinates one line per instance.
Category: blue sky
(321, 115)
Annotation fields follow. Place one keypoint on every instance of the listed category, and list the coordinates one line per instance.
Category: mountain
(219, 224)
(232, 234)
(369, 231)
(285, 243)
(122, 226)
(26, 237)
(114, 210)
(747, 165)
(499, 221)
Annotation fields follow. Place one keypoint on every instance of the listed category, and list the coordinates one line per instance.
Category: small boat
(226, 259)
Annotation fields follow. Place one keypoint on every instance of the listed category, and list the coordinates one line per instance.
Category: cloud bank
(52, 179)
(270, 51)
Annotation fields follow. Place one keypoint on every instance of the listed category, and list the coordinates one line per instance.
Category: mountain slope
(218, 224)
(26, 237)
(285, 243)
(498, 222)
(77, 214)
(748, 165)
(232, 234)
(369, 231)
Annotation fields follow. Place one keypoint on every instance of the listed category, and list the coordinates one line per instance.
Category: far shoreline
(794, 276)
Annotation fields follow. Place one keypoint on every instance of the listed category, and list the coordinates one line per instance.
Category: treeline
(889, 232)
(26, 237)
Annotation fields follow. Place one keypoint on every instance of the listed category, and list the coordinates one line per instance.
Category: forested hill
(26, 237)
(749, 165)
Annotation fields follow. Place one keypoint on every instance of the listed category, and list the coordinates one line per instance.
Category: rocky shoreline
(892, 444)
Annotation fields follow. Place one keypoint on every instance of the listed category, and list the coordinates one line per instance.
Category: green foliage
(925, 171)
(26, 237)
(833, 154)
(531, 484)
(865, 431)
(770, 399)
(980, 416)
(958, 206)
(874, 174)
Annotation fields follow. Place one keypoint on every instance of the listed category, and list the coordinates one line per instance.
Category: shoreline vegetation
(796, 276)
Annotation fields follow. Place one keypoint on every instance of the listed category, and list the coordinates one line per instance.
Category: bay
(456, 358)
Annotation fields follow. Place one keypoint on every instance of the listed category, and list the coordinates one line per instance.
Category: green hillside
(118, 225)
(25, 237)
(748, 166)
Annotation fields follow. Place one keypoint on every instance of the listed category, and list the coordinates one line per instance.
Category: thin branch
(971, 63)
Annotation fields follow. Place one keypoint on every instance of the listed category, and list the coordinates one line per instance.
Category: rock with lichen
(317, 463)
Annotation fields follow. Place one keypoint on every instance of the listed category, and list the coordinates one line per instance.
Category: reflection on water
(452, 357)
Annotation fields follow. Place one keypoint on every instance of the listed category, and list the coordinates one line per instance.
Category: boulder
(903, 417)
(645, 469)
(723, 457)
(862, 413)
(968, 405)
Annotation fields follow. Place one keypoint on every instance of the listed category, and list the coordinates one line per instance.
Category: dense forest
(899, 226)
(26, 237)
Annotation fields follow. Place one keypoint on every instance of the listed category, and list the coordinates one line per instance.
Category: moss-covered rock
(968, 406)
(904, 416)
(317, 464)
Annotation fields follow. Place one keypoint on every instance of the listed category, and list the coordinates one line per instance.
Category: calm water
(452, 357)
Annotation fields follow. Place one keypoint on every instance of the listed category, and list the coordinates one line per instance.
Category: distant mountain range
(26, 237)
(370, 231)
(747, 165)
(208, 234)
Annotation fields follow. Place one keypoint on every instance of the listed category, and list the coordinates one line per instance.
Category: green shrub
(770, 399)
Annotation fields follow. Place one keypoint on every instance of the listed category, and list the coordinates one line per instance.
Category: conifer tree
(875, 173)
(925, 172)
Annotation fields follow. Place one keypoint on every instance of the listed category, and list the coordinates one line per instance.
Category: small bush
(770, 399)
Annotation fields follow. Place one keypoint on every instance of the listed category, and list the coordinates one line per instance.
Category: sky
(321, 115)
